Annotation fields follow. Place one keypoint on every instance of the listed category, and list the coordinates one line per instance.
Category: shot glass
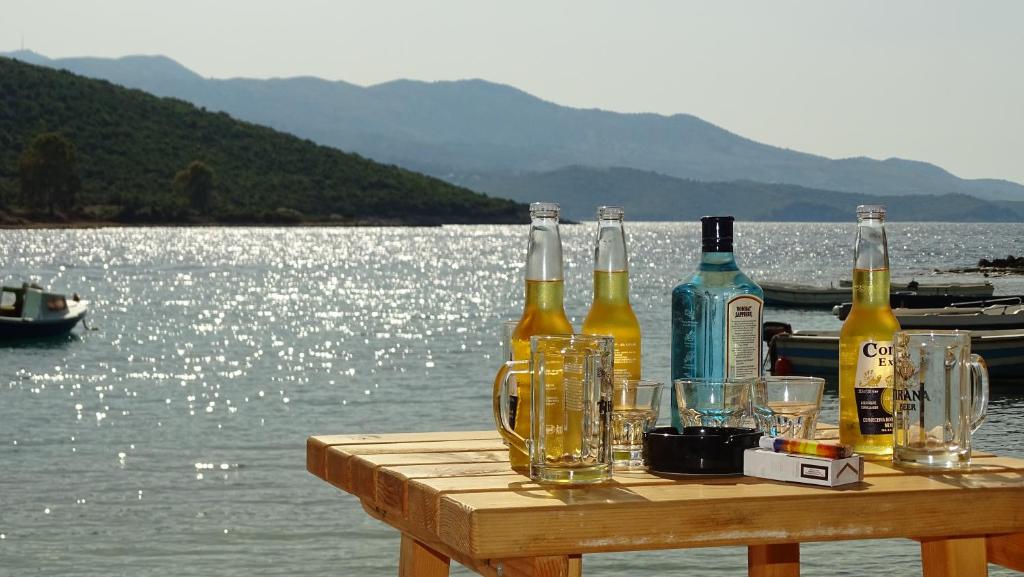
(714, 403)
(788, 407)
(635, 405)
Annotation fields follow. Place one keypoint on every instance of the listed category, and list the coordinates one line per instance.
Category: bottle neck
(545, 295)
(871, 265)
(718, 261)
(544, 254)
(610, 248)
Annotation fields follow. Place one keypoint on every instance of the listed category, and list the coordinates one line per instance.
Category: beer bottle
(610, 313)
(865, 344)
(544, 311)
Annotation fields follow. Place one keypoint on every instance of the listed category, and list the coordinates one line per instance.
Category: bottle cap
(610, 213)
(716, 233)
(544, 210)
(871, 211)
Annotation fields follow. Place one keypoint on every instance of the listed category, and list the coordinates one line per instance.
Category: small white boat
(30, 312)
(811, 296)
(816, 353)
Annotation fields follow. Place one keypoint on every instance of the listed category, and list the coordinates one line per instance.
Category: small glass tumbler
(714, 403)
(635, 405)
(788, 407)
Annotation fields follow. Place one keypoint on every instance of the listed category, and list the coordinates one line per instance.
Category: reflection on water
(172, 437)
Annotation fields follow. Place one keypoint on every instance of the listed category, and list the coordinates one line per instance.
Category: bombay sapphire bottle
(716, 315)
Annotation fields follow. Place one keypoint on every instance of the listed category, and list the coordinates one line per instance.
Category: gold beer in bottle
(544, 311)
(611, 314)
(865, 344)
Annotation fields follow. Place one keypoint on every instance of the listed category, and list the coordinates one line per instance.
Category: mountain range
(501, 140)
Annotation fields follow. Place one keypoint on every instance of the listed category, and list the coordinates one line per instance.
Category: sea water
(170, 440)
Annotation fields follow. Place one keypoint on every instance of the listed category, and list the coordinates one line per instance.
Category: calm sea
(170, 439)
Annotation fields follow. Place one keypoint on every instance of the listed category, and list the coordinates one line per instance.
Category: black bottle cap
(716, 233)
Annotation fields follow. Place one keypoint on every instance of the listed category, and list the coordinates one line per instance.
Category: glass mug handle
(502, 418)
(979, 391)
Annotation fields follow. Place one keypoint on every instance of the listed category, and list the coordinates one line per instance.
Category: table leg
(549, 566)
(778, 560)
(418, 560)
(1006, 550)
(954, 557)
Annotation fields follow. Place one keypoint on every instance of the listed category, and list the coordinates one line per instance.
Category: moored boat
(816, 353)
(29, 312)
(782, 294)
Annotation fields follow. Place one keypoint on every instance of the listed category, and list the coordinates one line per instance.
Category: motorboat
(29, 311)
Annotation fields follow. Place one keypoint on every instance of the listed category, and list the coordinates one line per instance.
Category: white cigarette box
(802, 468)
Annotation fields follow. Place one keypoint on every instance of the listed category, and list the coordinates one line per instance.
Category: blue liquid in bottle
(716, 315)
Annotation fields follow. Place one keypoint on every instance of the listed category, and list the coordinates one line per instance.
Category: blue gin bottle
(716, 315)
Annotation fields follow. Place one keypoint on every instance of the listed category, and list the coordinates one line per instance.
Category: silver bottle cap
(544, 210)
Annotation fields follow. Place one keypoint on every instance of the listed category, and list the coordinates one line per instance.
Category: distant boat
(810, 296)
(30, 312)
(816, 353)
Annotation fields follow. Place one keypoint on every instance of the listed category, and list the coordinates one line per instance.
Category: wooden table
(454, 497)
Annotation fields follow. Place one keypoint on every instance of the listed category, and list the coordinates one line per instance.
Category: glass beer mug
(940, 395)
(570, 407)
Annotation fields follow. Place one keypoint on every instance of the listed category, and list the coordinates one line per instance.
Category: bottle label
(873, 387)
(627, 360)
(743, 337)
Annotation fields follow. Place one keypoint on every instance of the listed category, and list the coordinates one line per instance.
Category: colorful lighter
(802, 447)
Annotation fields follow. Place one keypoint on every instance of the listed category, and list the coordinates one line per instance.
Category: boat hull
(18, 329)
(816, 353)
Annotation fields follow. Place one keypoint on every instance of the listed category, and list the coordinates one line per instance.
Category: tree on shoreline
(195, 183)
(48, 170)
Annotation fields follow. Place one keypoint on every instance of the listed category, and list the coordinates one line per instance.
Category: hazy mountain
(466, 128)
(652, 196)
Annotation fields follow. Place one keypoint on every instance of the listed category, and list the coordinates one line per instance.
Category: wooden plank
(343, 467)
(337, 467)
(418, 560)
(777, 560)
(388, 486)
(727, 511)
(366, 471)
(954, 557)
(317, 445)
(1006, 550)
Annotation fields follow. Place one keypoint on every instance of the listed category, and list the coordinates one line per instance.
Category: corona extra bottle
(544, 311)
(716, 315)
(610, 313)
(865, 344)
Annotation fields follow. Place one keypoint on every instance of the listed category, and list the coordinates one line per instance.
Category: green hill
(130, 145)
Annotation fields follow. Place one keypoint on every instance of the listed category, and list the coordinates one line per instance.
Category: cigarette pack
(803, 468)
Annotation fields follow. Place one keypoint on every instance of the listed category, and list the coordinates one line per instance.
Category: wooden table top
(456, 490)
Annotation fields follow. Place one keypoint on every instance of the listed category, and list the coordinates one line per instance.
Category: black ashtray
(698, 450)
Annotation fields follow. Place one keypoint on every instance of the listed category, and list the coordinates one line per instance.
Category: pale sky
(939, 81)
